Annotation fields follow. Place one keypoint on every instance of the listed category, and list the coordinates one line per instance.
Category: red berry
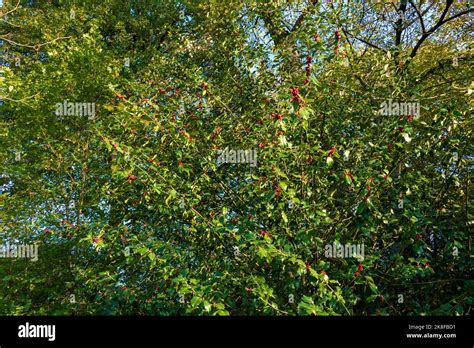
(132, 177)
(360, 268)
(180, 163)
(356, 274)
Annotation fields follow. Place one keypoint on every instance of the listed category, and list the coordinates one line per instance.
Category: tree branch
(419, 16)
(399, 24)
(276, 33)
(347, 34)
(440, 22)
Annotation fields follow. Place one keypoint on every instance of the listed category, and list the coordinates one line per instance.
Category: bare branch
(346, 33)
(12, 10)
(422, 22)
(399, 24)
(35, 47)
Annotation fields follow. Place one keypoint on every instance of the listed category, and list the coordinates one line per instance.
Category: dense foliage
(133, 214)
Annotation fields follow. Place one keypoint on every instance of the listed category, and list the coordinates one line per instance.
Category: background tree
(133, 215)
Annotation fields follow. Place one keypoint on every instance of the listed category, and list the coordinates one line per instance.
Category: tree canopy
(115, 118)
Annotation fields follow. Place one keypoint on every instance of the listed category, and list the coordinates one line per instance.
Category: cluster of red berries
(331, 152)
(427, 265)
(278, 191)
(115, 146)
(309, 59)
(158, 164)
(295, 94)
(215, 133)
(360, 268)
(277, 116)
